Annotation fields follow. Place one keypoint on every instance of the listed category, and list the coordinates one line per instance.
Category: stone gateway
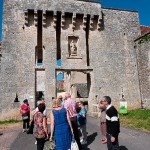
(96, 47)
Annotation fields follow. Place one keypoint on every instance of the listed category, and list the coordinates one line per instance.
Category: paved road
(129, 139)
(8, 137)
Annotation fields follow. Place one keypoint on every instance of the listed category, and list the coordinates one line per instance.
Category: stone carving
(55, 20)
(35, 18)
(63, 20)
(44, 19)
(73, 49)
(84, 21)
(73, 46)
(92, 22)
(26, 17)
(73, 21)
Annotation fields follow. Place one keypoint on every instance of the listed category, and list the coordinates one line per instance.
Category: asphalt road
(129, 139)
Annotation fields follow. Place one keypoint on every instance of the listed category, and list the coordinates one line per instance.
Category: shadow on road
(90, 139)
(122, 148)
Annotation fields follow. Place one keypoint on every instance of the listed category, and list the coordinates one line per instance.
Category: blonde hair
(60, 97)
(56, 103)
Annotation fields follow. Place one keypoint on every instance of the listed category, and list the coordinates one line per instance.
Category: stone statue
(73, 49)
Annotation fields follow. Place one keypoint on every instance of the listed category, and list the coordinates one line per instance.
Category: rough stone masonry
(95, 45)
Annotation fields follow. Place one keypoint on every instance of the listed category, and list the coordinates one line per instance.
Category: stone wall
(104, 49)
(20, 33)
(113, 56)
(18, 61)
(143, 57)
(82, 91)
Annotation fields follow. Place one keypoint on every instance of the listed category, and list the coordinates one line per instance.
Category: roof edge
(141, 36)
(92, 1)
(119, 9)
(144, 26)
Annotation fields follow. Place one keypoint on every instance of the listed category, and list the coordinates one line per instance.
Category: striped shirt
(70, 106)
(112, 121)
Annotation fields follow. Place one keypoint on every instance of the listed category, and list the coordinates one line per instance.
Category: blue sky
(1, 4)
(142, 6)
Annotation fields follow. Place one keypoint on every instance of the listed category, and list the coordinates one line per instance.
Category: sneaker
(35, 142)
(84, 142)
(81, 140)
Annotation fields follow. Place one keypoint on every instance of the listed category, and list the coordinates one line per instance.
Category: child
(81, 118)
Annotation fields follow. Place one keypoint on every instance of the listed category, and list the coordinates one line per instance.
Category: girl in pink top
(25, 111)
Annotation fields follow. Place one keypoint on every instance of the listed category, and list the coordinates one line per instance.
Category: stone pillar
(49, 42)
(94, 26)
(26, 59)
(91, 98)
(73, 91)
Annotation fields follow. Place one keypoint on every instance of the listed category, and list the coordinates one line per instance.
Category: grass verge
(138, 119)
(9, 121)
(9, 124)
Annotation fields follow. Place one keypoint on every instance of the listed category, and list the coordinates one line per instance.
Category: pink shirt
(70, 105)
(25, 108)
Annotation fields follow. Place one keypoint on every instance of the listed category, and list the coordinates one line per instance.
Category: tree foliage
(144, 39)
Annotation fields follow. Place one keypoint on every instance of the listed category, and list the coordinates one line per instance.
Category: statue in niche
(73, 49)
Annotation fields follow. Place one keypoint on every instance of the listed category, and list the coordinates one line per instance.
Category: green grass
(138, 119)
(9, 121)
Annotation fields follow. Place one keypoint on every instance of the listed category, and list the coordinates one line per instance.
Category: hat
(25, 100)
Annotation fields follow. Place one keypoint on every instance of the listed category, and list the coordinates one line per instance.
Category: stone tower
(92, 42)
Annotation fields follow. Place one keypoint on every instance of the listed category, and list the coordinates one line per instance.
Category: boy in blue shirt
(81, 119)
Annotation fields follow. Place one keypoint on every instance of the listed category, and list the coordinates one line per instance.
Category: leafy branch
(144, 39)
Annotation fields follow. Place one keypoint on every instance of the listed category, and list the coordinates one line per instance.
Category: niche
(73, 46)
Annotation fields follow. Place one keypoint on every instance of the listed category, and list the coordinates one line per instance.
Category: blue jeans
(112, 145)
(26, 124)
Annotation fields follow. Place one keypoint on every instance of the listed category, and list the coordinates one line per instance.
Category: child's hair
(81, 102)
(25, 101)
